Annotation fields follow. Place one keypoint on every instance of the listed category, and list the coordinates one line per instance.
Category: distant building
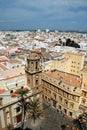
(75, 62)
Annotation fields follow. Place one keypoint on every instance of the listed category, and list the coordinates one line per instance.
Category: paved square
(51, 120)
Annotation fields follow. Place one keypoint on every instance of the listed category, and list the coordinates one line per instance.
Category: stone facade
(33, 71)
(65, 89)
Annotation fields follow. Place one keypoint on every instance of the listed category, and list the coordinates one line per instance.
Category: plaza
(49, 120)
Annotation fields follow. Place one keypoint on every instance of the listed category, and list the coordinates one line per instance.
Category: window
(17, 109)
(83, 101)
(36, 65)
(37, 88)
(71, 105)
(73, 97)
(54, 96)
(60, 99)
(84, 94)
(59, 82)
(59, 107)
(65, 111)
(28, 81)
(49, 92)
(70, 113)
(46, 97)
(36, 82)
(66, 102)
(67, 95)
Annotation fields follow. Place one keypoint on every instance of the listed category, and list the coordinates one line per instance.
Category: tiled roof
(3, 67)
(3, 59)
(12, 73)
(10, 77)
(14, 94)
(2, 90)
(67, 78)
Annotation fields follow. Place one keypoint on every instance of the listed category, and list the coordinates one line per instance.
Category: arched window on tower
(36, 65)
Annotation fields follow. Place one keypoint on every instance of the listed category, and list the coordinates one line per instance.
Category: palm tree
(34, 108)
(22, 102)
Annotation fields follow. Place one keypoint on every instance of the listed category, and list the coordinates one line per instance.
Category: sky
(43, 14)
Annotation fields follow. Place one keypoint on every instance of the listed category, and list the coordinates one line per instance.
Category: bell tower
(33, 71)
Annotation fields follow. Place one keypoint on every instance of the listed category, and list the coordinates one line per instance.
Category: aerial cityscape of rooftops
(43, 70)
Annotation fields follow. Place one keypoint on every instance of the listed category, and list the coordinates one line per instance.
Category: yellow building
(83, 106)
(71, 63)
(62, 91)
(76, 62)
(63, 85)
(62, 82)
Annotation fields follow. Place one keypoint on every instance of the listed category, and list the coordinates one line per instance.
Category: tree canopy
(71, 43)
